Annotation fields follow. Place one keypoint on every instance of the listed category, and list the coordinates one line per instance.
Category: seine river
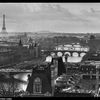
(23, 76)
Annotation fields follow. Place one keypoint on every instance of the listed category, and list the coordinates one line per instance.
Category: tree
(7, 89)
(92, 37)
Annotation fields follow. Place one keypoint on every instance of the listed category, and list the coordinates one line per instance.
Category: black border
(47, 1)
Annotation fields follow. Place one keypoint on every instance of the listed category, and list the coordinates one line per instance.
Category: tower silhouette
(4, 26)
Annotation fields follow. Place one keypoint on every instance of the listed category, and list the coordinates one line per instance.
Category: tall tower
(4, 27)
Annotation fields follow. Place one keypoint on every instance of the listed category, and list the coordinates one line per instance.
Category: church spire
(20, 42)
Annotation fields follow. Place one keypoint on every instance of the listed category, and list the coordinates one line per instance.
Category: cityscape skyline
(53, 17)
(40, 54)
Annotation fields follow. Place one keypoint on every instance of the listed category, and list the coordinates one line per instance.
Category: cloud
(91, 14)
(38, 11)
(38, 16)
(51, 12)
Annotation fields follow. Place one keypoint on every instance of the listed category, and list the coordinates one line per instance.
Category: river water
(23, 76)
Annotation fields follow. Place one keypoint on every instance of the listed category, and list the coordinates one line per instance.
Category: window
(37, 85)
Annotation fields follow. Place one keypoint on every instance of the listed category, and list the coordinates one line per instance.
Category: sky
(53, 17)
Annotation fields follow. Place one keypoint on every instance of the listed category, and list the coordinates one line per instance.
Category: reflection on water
(22, 86)
(23, 76)
(71, 59)
(74, 59)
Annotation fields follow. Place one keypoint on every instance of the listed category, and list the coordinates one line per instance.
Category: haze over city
(53, 17)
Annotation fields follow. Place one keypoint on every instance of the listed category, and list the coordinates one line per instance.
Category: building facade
(40, 81)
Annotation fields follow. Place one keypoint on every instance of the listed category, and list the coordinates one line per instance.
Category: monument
(4, 26)
(4, 34)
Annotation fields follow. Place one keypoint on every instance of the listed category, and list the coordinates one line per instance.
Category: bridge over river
(15, 71)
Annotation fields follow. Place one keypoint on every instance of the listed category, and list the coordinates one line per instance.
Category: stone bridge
(64, 52)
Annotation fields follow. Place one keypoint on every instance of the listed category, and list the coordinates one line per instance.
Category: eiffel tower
(4, 26)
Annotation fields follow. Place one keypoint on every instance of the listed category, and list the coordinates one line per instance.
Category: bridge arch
(82, 54)
(77, 49)
(67, 53)
(75, 54)
(59, 54)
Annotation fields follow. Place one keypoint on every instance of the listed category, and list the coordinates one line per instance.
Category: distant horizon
(45, 31)
(55, 32)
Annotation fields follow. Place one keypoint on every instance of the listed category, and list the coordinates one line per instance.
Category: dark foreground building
(40, 81)
(61, 69)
